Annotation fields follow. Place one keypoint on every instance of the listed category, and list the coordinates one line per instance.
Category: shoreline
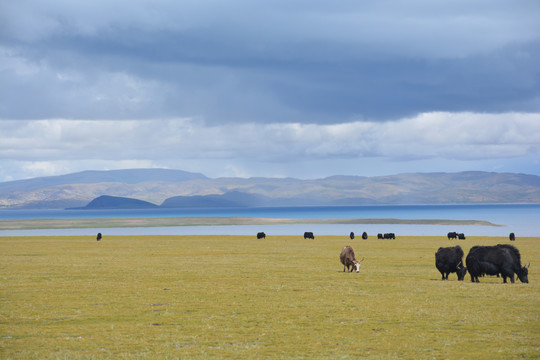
(34, 224)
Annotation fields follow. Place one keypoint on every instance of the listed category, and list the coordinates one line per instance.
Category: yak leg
(507, 272)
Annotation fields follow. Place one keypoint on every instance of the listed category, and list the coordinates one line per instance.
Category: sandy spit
(28, 224)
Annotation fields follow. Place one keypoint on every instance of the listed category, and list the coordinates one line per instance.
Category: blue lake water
(522, 219)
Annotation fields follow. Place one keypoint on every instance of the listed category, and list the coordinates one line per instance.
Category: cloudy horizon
(303, 89)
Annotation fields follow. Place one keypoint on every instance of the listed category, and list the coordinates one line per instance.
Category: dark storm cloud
(269, 62)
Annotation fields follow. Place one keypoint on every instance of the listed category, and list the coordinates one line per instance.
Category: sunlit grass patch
(239, 297)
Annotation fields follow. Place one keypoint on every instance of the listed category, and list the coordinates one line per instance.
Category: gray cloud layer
(245, 61)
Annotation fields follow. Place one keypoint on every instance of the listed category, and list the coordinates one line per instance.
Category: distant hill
(230, 199)
(128, 176)
(116, 202)
(175, 188)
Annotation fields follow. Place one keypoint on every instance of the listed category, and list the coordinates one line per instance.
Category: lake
(522, 219)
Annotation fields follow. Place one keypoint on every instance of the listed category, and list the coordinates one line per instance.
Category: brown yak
(349, 260)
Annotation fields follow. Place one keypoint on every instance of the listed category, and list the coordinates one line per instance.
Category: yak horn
(457, 266)
(528, 266)
(362, 260)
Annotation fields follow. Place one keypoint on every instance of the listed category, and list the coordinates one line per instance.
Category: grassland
(200, 297)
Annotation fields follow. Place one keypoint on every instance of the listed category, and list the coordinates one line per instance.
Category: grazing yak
(493, 260)
(452, 235)
(351, 235)
(386, 236)
(461, 236)
(364, 235)
(261, 235)
(379, 236)
(308, 235)
(348, 259)
(512, 237)
(98, 236)
(449, 260)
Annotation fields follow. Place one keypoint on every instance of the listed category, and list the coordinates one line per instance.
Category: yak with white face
(348, 259)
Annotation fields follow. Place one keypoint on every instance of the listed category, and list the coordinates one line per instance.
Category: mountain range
(175, 188)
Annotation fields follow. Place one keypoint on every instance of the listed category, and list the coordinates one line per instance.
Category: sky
(283, 88)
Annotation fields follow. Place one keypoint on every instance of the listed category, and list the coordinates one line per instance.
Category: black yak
(493, 260)
(261, 235)
(449, 260)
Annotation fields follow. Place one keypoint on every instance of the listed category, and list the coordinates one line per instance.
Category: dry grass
(237, 297)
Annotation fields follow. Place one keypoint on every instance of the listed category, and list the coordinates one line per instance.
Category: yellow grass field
(236, 297)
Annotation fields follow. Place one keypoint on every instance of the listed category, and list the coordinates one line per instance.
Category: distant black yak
(98, 236)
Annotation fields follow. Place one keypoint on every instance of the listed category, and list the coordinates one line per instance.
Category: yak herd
(502, 260)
